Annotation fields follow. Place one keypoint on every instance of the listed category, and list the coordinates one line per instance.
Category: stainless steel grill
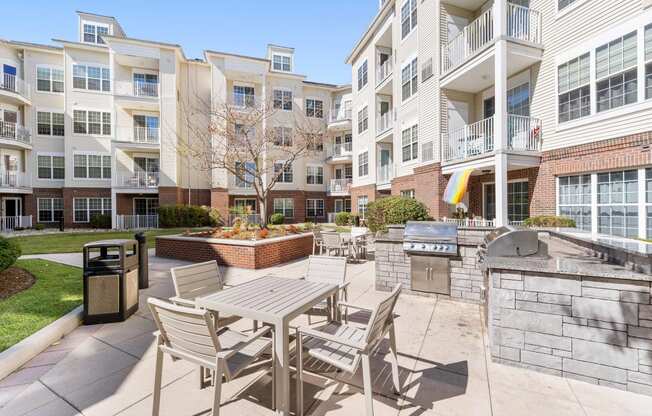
(429, 237)
(510, 241)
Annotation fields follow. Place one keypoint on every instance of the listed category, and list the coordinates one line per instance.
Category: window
(616, 73)
(575, 200)
(146, 85)
(409, 79)
(562, 4)
(363, 201)
(245, 174)
(91, 122)
(284, 206)
(410, 143)
(648, 65)
(49, 79)
(49, 124)
(363, 119)
(618, 203)
(314, 108)
(93, 32)
(86, 208)
(50, 209)
(362, 75)
(518, 100)
(244, 205)
(145, 206)
(92, 166)
(93, 78)
(426, 70)
(314, 208)
(363, 164)
(315, 175)
(146, 128)
(283, 136)
(648, 200)
(573, 88)
(243, 96)
(408, 193)
(315, 142)
(518, 204)
(51, 167)
(283, 172)
(283, 100)
(282, 63)
(408, 17)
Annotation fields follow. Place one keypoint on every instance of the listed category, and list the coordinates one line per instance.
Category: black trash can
(110, 281)
(143, 261)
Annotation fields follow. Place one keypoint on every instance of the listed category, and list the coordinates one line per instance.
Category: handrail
(145, 89)
(13, 131)
(383, 71)
(14, 84)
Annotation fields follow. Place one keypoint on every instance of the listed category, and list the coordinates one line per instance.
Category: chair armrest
(225, 354)
(182, 302)
(308, 332)
(360, 308)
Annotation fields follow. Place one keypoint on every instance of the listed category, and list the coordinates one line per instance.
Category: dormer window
(282, 63)
(93, 32)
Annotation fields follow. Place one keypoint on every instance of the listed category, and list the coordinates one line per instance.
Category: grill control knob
(423, 246)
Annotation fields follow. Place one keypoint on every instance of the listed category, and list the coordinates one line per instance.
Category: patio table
(276, 301)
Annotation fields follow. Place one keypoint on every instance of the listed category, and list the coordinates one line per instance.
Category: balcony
(136, 222)
(15, 135)
(339, 187)
(14, 181)
(137, 95)
(384, 175)
(239, 187)
(471, 50)
(245, 101)
(383, 71)
(142, 181)
(477, 139)
(146, 138)
(384, 123)
(16, 89)
(339, 152)
(145, 89)
(340, 119)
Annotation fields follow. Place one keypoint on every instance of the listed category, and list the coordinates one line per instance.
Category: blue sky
(323, 32)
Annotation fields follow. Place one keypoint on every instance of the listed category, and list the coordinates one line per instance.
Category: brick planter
(236, 253)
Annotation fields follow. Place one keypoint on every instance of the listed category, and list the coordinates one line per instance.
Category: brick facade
(220, 201)
(69, 194)
(476, 192)
(172, 195)
(368, 190)
(251, 256)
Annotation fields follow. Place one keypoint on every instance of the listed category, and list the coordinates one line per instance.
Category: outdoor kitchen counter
(568, 259)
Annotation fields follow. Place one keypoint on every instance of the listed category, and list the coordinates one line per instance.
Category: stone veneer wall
(594, 329)
(467, 282)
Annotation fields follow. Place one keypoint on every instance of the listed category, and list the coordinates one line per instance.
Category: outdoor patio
(444, 368)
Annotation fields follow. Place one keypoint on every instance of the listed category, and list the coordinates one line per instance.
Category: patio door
(339, 205)
(146, 171)
(12, 207)
(9, 171)
(145, 206)
(339, 173)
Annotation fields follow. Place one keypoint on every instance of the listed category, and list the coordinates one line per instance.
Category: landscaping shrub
(394, 210)
(549, 221)
(9, 252)
(101, 221)
(39, 227)
(343, 218)
(277, 219)
(170, 216)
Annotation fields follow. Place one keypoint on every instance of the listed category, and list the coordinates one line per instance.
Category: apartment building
(96, 126)
(547, 103)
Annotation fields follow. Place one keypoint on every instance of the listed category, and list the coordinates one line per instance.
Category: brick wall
(71, 193)
(475, 190)
(220, 201)
(368, 190)
(172, 195)
(248, 257)
(31, 204)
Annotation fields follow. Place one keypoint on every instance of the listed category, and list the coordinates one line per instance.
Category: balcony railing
(523, 23)
(138, 180)
(15, 84)
(136, 222)
(523, 134)
(338, 114)
(135, 134)
(384, 122)
(145, 89)
(8, 224)
(383, 71)
(13, 131)
(14, 179)
(339, 150)
(340, 186)
(385, 174)
(245, 100)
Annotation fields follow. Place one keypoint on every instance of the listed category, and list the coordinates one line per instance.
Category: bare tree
(245, 139)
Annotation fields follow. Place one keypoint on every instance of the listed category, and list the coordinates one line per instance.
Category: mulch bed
(14, 280)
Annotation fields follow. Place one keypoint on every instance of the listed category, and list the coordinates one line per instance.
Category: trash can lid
(111, 243)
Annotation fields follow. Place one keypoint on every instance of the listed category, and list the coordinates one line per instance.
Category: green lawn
(73, 242)
(58, 290)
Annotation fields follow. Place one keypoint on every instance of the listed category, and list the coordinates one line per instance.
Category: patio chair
(189, 334)
(345, 347)
(359, 236)
(331, 270)
(317, 241)
(333, 242)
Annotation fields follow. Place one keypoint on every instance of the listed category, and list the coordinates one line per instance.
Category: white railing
(523, 133)
(136, 222)
(340, 186)
(384, 122)
(14, 179)
(339, 150)
(145, 89)
(139, 180)
(11, 223)
(338, 114)
(469, 222)
(146, 135)
(383, 71)
(13, 131)
(15, 84)
(471, 140)
(523, 23)
(245, 100)
(238, 183)
(248, 218)
(385, 174)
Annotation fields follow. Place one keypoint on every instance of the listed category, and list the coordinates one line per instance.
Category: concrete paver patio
(444, 368)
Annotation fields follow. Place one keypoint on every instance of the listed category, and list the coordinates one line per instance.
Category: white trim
(91, 153)
(88, 214)
(568, 9)
(50, 67)
(87, 109)
(51, 155)
(49, 110)
(133, 203)
(38, 210)
(87, 90)
(484, 197)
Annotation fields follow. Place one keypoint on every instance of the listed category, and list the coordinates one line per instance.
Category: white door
(458, 115)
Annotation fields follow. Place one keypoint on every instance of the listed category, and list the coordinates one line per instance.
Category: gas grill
(509, 241)
(430, 246)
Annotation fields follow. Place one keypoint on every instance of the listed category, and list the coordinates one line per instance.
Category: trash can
(143, 261)
(110, 281)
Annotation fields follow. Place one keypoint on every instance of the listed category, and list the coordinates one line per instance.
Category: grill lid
(430, 231)
(509, 241)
